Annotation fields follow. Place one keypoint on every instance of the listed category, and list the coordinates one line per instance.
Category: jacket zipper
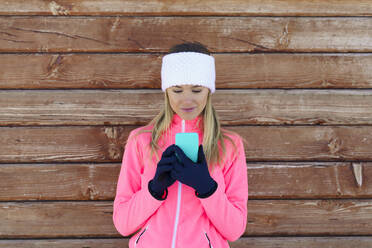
(139, 236)
(177, 215)
(209, 241)
(178, 202)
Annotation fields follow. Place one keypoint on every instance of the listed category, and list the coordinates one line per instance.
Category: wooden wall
(293, 77)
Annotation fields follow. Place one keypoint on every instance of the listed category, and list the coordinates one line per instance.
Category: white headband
(188, 68)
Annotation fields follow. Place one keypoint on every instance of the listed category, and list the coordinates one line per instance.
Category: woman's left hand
(195, 175)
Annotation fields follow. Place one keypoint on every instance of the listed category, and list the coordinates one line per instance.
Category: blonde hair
(214, 136)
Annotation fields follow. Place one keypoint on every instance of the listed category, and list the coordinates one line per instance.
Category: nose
(187, 97)
(187, 102)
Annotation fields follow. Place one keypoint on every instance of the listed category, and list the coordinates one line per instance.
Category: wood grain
(46, 182)
(61, 146)
(56, 219)
(308, 180)
(318, 217)
(265, 218)
(245, 71)
(309, 143)
(246, 242)
(138, 107)
(89, 144)
(303, 242)
(105, 144)
(157, 34)
(67, 243)
(190, 7)
(43, 182)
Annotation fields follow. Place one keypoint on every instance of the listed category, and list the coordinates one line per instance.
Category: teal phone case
(189, 143)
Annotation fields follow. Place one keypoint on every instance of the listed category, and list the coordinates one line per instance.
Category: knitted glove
(158, 186)
(195, 175)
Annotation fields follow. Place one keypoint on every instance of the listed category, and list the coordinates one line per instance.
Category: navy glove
(158, 186)
(195, 175)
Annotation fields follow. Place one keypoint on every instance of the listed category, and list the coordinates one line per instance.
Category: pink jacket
(182, 220)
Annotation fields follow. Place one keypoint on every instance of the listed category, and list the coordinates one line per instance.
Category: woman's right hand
(158, 186)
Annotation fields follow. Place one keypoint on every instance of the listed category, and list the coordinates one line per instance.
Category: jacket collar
(195, 124)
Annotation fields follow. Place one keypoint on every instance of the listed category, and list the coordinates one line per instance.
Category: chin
(189, 116)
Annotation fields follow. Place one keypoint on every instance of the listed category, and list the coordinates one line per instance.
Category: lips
(188, 109)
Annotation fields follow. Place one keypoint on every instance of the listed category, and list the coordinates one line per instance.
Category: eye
(179, 91)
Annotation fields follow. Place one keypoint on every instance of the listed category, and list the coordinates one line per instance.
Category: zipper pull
(183, 125)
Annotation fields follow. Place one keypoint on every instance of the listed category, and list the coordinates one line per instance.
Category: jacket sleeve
(133, 204)
(230, 217)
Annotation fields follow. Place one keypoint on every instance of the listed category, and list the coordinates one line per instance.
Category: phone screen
(189, 143)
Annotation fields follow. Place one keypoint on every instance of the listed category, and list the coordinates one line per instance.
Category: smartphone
(189, 143)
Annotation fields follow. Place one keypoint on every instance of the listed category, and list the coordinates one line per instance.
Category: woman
(172, 201)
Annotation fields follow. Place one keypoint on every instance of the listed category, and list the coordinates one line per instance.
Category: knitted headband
(188, 68)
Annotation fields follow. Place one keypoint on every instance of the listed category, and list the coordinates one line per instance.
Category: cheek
(173, 101)
(203, 100)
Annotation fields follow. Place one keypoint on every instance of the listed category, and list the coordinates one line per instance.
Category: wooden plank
(308, 180)
(266, 181)
(105, 144)
(58, 181)
(206, 7)
(138, 107)
(82, 144)
(67, 243)
(303, 242)
(266, 70)
(317, 217)
(308, 143)
(158, 34)
(265, 218)
(56, 219)
(246, 242)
